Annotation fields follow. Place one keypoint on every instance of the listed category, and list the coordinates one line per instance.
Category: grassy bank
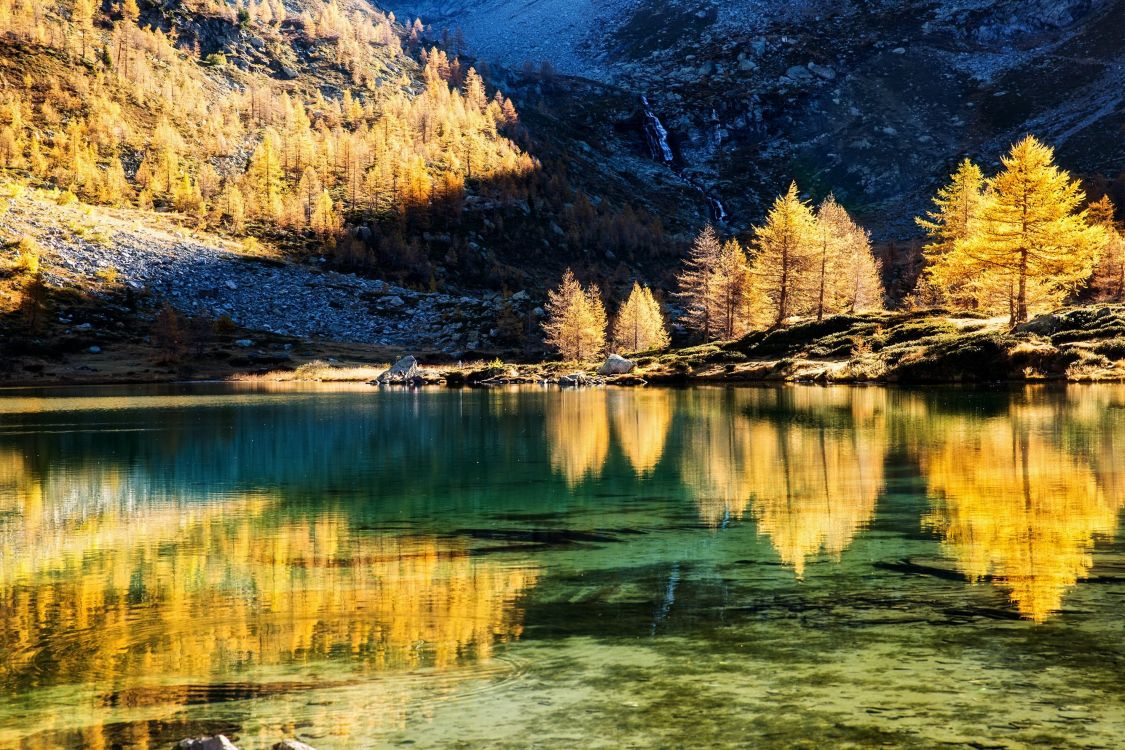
(1076, 344)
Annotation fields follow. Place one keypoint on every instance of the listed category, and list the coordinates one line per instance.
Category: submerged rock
(404, 371)
(218, 742)
(617, 365)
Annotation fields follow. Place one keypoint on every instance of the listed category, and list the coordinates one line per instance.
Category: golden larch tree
(1109, 275)
(956, 211)
(695, 282)
(731, 292)
(576, 319)
(1030, 231)
(639, 325)
(784, 252)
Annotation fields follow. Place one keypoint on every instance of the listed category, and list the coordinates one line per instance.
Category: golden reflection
(816, 479)
(170, 595)
(640, 421)
(1012, 505)
(578, 433)
(718, 445)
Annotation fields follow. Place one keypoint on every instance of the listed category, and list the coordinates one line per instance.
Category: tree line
(800, 262)
(1025, 239)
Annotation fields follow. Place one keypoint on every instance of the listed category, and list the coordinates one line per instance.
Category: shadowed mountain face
(875, 100)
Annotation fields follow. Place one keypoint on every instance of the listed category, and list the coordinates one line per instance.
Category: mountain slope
(873, 100)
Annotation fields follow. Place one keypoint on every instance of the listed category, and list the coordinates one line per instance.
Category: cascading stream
(661, 150)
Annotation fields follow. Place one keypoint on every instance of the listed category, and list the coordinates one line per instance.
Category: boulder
(823, 71)
(617, 365)
(218, 742)
(404, 371)
(292, 745)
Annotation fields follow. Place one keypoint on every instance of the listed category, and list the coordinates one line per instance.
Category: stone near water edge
(404, 371)
(292, 745)
(244, 343)
(218, 742)
(615, 364)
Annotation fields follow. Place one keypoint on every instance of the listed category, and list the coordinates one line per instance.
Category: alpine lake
(795, 566)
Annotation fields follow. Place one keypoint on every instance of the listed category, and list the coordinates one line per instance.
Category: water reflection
(1015, 506)
(147, 602)
(816, 475)
(159, 562)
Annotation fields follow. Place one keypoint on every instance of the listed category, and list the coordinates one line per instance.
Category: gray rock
(899, 51)
(244, 343)
(218, 742)
(292, 745)
(288, 73)
(84, 327)
(404, 371)
(617, 365)
(799, 73)
(95, 350)
(823, 71)
(393, 301)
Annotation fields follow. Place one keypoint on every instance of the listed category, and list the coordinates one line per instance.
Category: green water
(776, 567)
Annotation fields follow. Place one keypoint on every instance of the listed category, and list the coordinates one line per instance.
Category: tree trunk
(1021, 296)
(782, 297)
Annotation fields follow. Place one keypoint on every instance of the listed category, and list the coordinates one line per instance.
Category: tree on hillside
(264, 176)
(848, 278)
(639, 325)
(1109, 275)
(731, 292)
(1030, 230)
(784, 256)
(695, 282)
(957, 209)
(832, 227)
(576, 319)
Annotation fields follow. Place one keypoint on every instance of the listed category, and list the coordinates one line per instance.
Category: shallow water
(766, 567)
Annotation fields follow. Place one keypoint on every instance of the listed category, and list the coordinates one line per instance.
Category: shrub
(28, 256)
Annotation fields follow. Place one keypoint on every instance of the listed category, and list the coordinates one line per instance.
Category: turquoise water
(761, 567)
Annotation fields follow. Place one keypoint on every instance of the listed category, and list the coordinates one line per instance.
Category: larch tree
(731, 292)
(1031, 231)
(1109, 274)
(639, 325)
(848, 277)
(576, 319)
(695, 282)
(832, 228)
(784, 253)
(957, 208)
(265, 175)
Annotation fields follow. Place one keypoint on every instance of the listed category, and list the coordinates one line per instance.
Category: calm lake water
(774, 567)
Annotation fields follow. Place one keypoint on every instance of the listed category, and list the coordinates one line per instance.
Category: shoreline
(1074, 345)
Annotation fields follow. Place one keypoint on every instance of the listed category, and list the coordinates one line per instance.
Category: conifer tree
(731, 292)
(832, 227)
(783, 258)
(1109, 275)
(695, 282)
(954, 219)
(1031, 232)
(264, 175)
(576, 320)
(639, 325)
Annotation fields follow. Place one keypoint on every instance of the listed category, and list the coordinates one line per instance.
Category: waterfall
(657, 136)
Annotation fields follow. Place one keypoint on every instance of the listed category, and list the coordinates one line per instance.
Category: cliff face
(874, 100)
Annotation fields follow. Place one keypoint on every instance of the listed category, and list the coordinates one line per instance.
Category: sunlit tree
(1030, 231)
(639, 325)
(576, 319)
(784, 256)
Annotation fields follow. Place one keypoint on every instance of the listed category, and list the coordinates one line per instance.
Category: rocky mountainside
(872, 99)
